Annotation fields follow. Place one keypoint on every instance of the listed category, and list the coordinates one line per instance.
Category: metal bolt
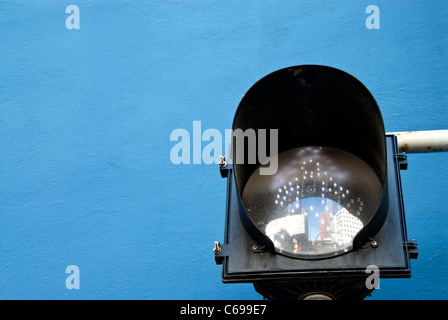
(374, 244)
(254, 247)
(217, 249)
(222, 161)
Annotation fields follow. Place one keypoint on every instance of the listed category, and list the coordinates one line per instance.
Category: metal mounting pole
(422, 141)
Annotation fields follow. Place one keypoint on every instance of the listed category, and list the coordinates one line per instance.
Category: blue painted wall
(86, 117)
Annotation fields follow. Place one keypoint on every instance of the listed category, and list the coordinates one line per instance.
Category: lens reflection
(316, 203)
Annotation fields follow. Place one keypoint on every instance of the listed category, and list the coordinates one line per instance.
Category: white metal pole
(422, 141)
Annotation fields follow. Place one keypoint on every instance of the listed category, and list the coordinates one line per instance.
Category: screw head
(222, 161)
(217, 249)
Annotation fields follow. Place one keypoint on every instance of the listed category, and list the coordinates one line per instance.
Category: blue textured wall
(86, 116)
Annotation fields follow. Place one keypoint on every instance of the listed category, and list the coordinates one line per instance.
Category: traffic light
(330, 207)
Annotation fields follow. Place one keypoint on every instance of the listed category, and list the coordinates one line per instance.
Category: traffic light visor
(327, 196)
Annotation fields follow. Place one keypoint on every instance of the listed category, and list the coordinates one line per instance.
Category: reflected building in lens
(324, 219)
(344, 226)
(337, 224)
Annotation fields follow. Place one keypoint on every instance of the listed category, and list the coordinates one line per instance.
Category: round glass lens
(316, 203)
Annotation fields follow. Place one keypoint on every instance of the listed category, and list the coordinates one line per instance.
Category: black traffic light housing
(326, 115)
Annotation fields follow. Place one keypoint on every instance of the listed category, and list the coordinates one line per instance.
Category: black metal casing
(314, 105)
(243, 261)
